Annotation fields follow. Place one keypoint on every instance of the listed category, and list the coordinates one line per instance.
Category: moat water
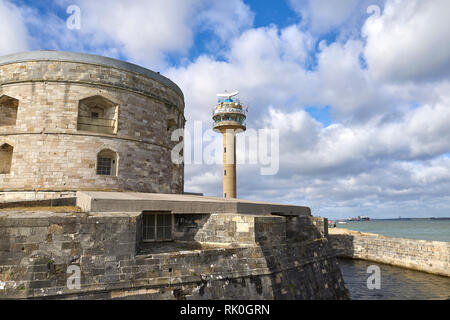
(396, 283)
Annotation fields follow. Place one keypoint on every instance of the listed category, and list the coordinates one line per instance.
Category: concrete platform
(180, 204)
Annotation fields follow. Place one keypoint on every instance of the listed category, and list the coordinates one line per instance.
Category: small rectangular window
(224, 172)
(157, 226)
(94, 115)
(104, 166)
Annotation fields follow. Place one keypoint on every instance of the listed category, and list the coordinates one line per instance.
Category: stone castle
(91, 205)
(71, 122)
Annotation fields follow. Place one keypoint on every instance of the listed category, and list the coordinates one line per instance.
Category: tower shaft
(229, 164)
(229, 119)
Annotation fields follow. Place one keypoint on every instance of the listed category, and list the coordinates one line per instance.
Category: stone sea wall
(422, 255)
(37, 248)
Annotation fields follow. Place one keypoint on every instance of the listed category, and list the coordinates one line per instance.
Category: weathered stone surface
(219, 257)
(52, 158)
(97, 201)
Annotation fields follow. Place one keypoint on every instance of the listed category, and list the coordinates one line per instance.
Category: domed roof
(64, 56)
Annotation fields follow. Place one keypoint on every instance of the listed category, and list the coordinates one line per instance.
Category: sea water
(421, 229)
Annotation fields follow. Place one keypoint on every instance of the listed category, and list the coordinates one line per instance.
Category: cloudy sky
(358, 89)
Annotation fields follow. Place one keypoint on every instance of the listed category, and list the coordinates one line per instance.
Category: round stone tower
(229, 118)
(71, 121)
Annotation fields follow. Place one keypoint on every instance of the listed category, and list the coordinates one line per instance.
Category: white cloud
(148, 31)
(323, 15)
(142, 30)
(261, 63)
(227, 19)
(422, 134)
(297, 129)
(346, 85)
(296, 44)
(343, 17)
(409, 41)
(14, 35)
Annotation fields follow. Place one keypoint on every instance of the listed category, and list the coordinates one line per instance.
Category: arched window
(107, 163)
(8, 111)
(98, 114)
(6, 153)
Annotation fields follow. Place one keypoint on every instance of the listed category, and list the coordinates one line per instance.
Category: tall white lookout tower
(229, 118)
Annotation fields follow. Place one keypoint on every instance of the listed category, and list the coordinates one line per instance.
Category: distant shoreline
(400, 219)
(394, 219)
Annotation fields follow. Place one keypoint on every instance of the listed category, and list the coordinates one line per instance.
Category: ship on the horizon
(359, 218)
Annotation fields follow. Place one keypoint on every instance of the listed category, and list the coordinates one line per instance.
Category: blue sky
(276, 12)
(359, 91)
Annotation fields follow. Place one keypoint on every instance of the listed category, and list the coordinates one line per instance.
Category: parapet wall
(36, 249)
(422, 255)
(250, 229)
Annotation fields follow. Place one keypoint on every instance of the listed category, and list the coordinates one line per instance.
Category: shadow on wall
(343, 245)
(185, 230)
(302, 263)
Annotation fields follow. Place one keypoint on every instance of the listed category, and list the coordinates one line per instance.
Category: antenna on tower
(228, 95)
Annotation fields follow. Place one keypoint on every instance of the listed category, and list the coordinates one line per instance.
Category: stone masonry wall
(68, 162)
(422, 255)
(36, 249)
(301, 228)
(50, 154)
(246, 229)
(17, 196)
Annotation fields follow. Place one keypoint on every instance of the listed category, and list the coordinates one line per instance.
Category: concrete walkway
(179, 204)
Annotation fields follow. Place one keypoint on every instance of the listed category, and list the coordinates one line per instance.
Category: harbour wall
(421, 255)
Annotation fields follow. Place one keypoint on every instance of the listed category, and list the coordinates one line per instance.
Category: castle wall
(68, 162)
(37, 248)
(248, 229)
(422, 255)
(51, 154)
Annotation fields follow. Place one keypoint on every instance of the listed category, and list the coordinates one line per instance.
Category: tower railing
(242, 122)
(227, 109)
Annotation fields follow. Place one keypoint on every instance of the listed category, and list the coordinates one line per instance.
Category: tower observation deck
(229, 118)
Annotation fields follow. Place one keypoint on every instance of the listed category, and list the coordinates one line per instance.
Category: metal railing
(99, 125)
(242, 122)
(100, 122)
(227, 109)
